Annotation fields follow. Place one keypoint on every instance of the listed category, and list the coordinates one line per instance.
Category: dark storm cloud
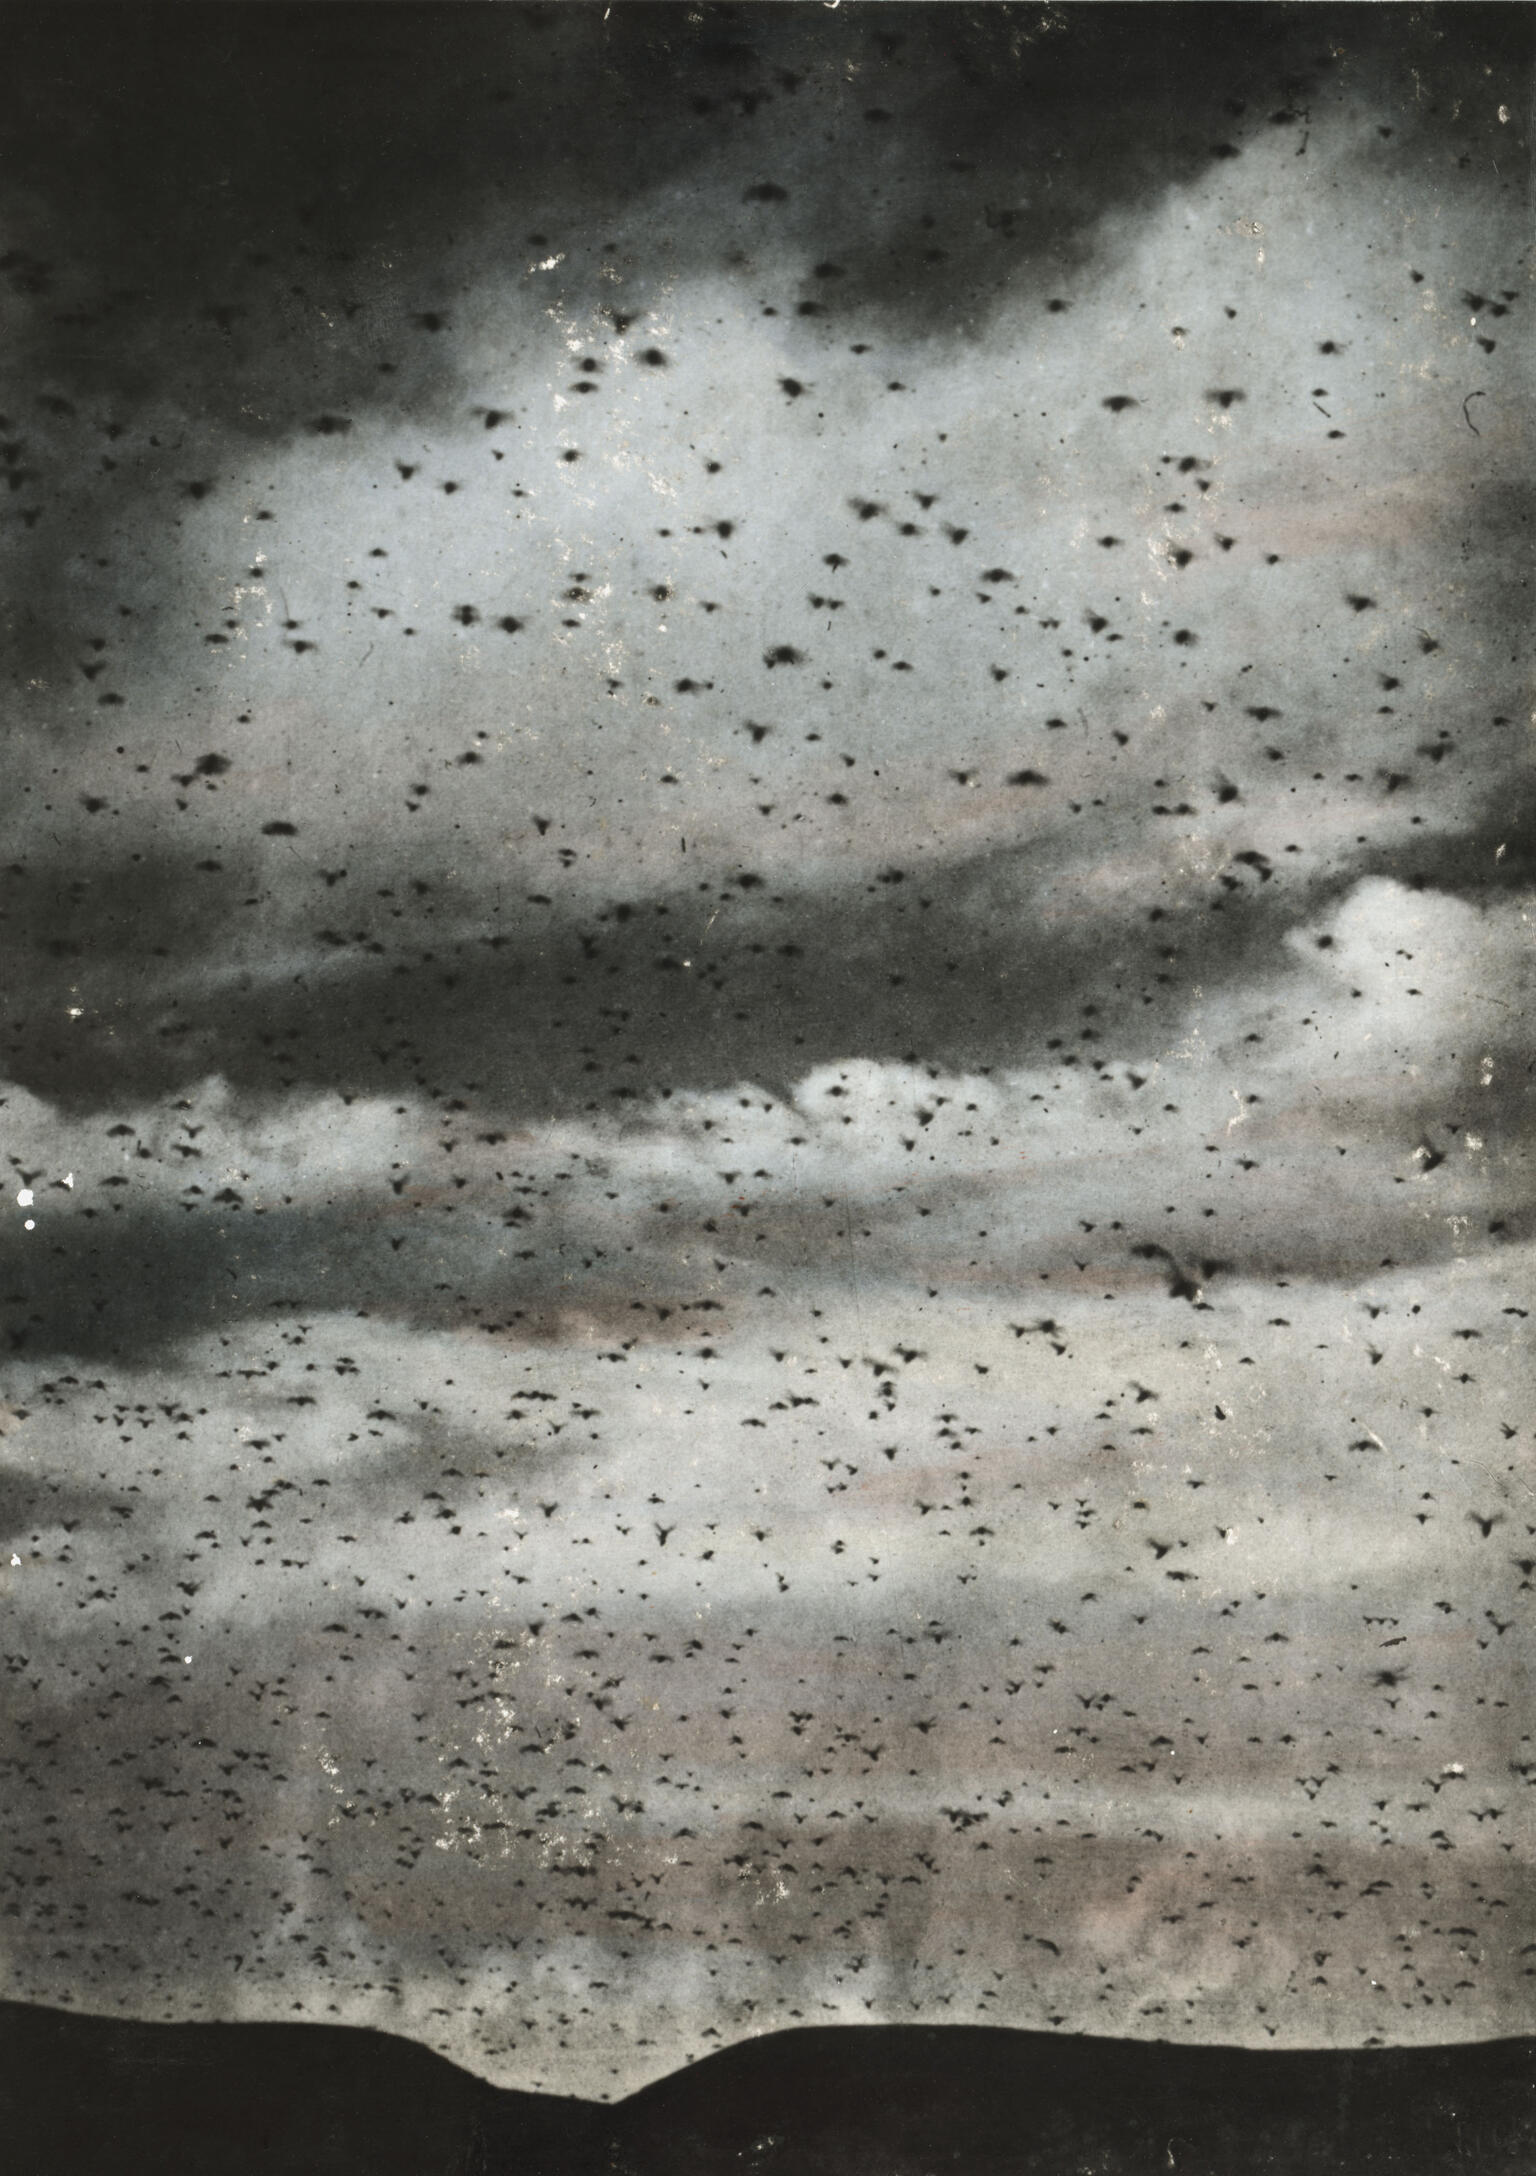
(550, 1010)
(547, 1009)
(207, 195)
(265, 216)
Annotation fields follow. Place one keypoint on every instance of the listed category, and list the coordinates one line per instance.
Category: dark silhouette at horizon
(91, 2096)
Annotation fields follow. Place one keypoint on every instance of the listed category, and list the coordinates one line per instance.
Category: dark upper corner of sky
(243, 208)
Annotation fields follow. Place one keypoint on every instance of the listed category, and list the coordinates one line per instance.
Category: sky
(767, 935)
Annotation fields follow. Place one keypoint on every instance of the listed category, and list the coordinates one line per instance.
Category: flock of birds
(528, 1521)
(449, 1678)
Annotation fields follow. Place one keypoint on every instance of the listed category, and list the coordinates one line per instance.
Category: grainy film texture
(766, 1023)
